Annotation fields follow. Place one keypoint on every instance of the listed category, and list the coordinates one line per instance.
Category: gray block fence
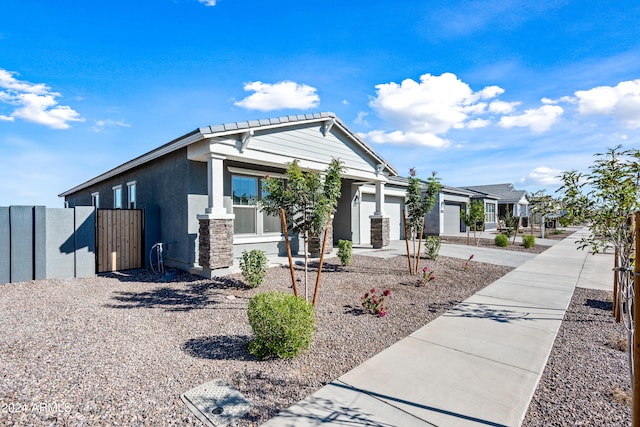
(46, 243)
(55, 243)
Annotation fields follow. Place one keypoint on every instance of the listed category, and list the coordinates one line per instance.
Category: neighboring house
(445, 217)
(206, 185)
(509, 199)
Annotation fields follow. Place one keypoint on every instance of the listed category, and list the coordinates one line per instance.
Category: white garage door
(451, 218)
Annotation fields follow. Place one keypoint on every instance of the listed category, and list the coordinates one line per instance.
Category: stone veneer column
(215, 245)
(379, 231)
(315, 243)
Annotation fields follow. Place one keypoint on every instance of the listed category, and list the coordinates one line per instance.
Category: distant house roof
(506, 192)
(237, 128)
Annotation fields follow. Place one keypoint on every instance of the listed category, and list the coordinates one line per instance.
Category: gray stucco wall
(61, 243)
(21, 220)
(163, 187)
(342, 218)
(5, 246)
(41, 243)
(84, 241)
(432, 221)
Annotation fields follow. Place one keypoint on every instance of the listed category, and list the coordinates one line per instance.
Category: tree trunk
(324, 245)
(286, 239)
(406, 240)
(635, 415)
(306, 266)
(417, 263)
(616, 301)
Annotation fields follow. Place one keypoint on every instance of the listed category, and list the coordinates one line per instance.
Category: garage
(452, 221)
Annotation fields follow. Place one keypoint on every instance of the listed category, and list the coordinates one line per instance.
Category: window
(131, 194)
(490, 212)
(95, 200)
(117, 197)
(246, 191)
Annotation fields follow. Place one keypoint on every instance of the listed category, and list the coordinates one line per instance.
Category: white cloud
(539, 120)
(286, 94)
(405, 138)
(361, 119)
(8, 81)
(621, 101)
(502, 107)
(424, 111)
(478, 123)
(491, 92)
(543, 175)
(208, 2)
(34, 102)
(100, 125)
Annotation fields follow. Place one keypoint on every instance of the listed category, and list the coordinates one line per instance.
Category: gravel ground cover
(119, 349)
(491, 244)
(586, 381)
(487, 240)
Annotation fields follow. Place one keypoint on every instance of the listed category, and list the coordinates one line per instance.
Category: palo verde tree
(418, 204)
(473, 219)
(608, 196)
(306, 203)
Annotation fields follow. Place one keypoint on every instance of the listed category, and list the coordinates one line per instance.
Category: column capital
(216, 156)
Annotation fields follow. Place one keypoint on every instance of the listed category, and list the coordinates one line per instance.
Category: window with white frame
(117, 197)
(131, 194)
(490, 212)
(95, 200)
(246, 192)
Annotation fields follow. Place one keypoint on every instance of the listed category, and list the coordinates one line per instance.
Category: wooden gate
(119, 239)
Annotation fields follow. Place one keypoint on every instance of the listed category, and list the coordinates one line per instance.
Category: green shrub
(528, 241)
(502, 240)
(345, 249)
(254, 266)
(432, 247)
(282, 324)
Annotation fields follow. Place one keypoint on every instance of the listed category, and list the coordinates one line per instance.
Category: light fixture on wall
(356, 199)
(442, 207)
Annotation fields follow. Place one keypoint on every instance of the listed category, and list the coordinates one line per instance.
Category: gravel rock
(586, 380)
(119, 349)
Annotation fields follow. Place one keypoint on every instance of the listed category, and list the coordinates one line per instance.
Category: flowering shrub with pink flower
(466, 264)
(427, 276)
(374, 302)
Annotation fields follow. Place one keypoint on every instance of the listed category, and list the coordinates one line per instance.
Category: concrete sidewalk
(477, 365)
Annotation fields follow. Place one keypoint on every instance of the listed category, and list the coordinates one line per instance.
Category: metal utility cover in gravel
(216, 403)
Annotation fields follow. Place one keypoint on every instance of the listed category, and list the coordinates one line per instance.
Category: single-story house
(510, 200)
(205, 186)
(445, 218)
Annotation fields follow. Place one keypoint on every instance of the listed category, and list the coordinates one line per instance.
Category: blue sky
(480, 91)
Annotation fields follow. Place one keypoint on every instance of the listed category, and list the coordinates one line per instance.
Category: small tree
(308, 200)
(473, 218)
(418, 204)
(542, 205)
(612, 198)
(511, 223)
